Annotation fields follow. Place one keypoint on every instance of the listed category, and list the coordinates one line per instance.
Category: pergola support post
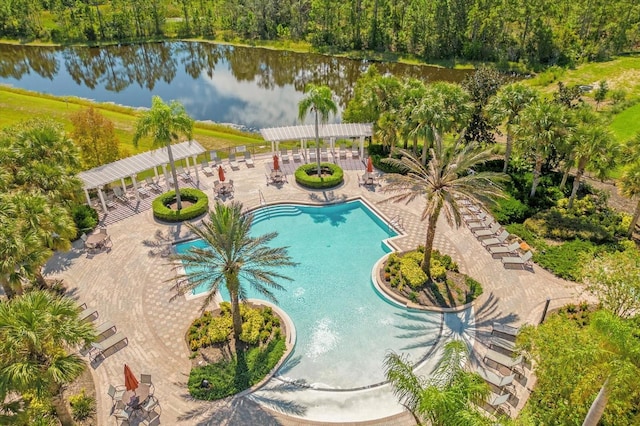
(135, 187)
(86, 194)
(102, 202)
(195, 169)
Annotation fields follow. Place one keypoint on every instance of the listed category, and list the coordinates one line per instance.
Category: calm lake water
(253, 87)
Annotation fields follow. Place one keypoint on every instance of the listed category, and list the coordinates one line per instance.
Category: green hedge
(162, 212)
(314, 182)
(85, 218)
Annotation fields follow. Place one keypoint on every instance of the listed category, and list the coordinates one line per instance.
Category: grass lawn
(626, 124)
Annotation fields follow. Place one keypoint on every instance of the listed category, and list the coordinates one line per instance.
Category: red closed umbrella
(221, 173)
(276, 163)
(369, 165)
(130, 381)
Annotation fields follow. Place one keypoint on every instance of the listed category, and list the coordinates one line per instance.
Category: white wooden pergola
(330, 132)
(129, 167)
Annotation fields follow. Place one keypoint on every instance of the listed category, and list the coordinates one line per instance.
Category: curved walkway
(130, 286)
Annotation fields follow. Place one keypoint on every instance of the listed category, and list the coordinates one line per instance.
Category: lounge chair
(104, 327)
(343, 151)
(324, 154)
(215, 160)
(474, 217)
(479, 233)
(355, 151)
(232, 162)
(508, 330)
(205, 168)
(499, 240)
(143, 192)
(503, 343)
(120, 195)
(312, 154)
(499, 402)
(524, 260)
(482, 224)
(248, 159)
(495, 379)
(503, 359)
(99, 348)
(284, 156)
(153, 184)
(295, 154)
(184, 175)
(504, 249)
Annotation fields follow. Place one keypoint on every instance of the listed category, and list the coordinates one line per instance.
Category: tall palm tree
(38, 334)
(231, 255)
(319, 99)
(541, 128)
(507, 105)
(448, 397)
(447, 176)
(165, 123)
(630, 187)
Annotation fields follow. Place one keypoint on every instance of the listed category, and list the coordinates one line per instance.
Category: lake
(246, 86)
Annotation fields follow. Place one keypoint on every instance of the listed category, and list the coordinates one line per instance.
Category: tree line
(539, 32)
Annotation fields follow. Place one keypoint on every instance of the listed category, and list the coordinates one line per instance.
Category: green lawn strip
(626, 125)
(226, 378)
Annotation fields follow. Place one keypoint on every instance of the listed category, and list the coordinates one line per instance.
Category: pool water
(344, 327)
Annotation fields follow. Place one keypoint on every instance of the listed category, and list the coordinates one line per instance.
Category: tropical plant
(481, 86)
(507, 105)
(318, 99)
(37, 332)
(165, 123)
(448, 397)
(448, 176)
(630, 188)
(233, 258)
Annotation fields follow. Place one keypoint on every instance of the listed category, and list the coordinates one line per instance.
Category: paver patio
(130, 286)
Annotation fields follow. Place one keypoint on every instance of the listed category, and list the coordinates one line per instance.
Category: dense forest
(533, 32)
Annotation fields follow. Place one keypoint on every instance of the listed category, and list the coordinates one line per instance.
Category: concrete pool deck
(130, 286)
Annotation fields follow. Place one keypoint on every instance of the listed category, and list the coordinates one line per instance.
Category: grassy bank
(18, 105)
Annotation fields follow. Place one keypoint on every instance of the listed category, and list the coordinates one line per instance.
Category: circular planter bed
(194, 203)
(331, 176)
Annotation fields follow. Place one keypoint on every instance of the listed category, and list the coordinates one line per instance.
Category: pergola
(129, 167)
(332, 132)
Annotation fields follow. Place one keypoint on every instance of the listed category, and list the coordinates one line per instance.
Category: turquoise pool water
(344, 327)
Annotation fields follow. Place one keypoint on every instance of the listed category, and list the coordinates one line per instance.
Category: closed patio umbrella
(276, 163)
(221, 173)
(130, 381)
(369, 165)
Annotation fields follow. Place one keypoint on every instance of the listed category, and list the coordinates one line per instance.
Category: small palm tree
(37, 330)
(231, 254)
(165, 123)
(319, 99)
(448, 397)
(630, 187)
(447, 176)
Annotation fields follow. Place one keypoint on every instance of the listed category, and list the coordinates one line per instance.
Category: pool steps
(275, 211)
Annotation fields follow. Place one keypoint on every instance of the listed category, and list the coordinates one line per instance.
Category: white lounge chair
(512, 248)
(295, 154)
(355, 150)
(312, 154)
(499, 240)
(184, 175)
(248, 159)
(474, 217)
(153, 184)
(99, 348)
(324, 154)
(88, 314)
(104, 327)
(284, 156)
(495, 379)
(500, 342)
(479, 233)
(233, 162)
(503, 359)
(524, 260)
(481, 224)
(215, 160)
(205, 168)
(343, 151)
(120, 195)
(504, 329)
(499, 402)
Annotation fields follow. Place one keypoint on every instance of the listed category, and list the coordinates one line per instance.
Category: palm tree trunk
(536, 176)
(507, 152)
(567, 169)
(175, 176)
(582, 164)
(318, 145)
(6, 286)
(237, 318)
(597, 407)
(428, 245)
(634, 221)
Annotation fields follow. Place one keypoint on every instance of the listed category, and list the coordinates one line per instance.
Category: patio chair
(231, 188)
(146, 379)
(184, 175)
(524, 260)
(324, 154)
(480, 233)
(99, 348)
(342, 151)
(499, 240)
(512, 248)
(120, 195)
(248, 159)
(312, 155)
(284, 156)
(355, 150)
(233, 162)
(116, 392)
(120, 413)
(205, 167)
(150, 406)
(295, 154)
(217, 187)
(153, 184)
(215, 160)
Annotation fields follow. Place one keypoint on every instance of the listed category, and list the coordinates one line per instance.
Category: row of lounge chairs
(103, 344)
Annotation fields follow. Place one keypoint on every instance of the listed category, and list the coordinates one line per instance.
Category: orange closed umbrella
(369, 165)
(221, 173)
(276, 165)
(130, 381)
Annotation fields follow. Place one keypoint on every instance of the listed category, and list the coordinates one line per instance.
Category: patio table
(136, 398)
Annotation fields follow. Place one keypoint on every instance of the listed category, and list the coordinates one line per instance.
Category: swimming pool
(344, 327)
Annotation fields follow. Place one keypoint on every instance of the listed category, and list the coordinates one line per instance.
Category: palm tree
(37, 331)
(541, 128)
(319, 99)
(507, 105)
(448, 175)
(448, 397)
(630, 187)
(231, 254)
(165, 123)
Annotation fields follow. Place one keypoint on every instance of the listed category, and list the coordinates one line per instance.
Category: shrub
(438, 271)
(444, 259)
(412, 272)
(313, 181)
(475, 289)
(509, 210)
(199, 207)
(85, 218)
(566, 260)
(82, 406)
